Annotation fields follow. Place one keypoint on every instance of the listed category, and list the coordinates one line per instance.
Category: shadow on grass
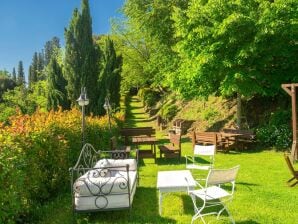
(169, 161)
(141, 212)
(248, 222)
(189, 209)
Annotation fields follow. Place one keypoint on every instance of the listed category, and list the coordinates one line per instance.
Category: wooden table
(229, 138)
(174, 181)
(146, 140)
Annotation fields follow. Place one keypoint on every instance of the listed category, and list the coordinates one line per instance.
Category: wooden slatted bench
(203, 138)
(128, 133)
(141, 136)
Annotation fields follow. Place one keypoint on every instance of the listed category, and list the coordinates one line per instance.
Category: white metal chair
(213, 194)
(201, 151)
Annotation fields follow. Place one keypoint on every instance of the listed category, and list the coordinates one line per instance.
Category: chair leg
(197, 211)
(227, 210)
(292, 185)
(196, 216)
(291, 179)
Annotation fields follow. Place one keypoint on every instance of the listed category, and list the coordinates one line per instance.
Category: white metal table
(173, 181)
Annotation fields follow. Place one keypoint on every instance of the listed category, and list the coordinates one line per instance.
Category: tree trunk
(239, 113)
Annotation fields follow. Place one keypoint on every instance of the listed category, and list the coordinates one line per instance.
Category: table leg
(154, 152)
(160, 202)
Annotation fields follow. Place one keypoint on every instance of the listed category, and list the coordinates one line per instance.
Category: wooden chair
(294, 172)
(203, 138)
(172, 150)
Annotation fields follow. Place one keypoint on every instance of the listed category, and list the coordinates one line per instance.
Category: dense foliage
(36, 151)
(201, 47)
(6, 83)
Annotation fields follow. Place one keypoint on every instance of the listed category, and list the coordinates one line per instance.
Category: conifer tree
(49, 49)
(14, 75)
(57, 94)
(34, 69)
(20, 75)
(110, 74)
(81, 58)
(30, 76)
(40, 66)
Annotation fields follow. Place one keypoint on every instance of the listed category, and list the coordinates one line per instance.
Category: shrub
(276, 132)
(36, 151)
(169, 111)
(210, 115)
(272, 135)
(149, 97)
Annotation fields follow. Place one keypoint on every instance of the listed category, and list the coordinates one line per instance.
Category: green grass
(262, 195)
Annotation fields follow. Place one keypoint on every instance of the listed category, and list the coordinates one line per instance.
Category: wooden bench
(128, 133)
(203, 138)
(173, 149)
(141, 136)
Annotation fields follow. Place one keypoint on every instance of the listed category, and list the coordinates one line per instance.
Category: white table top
(175, 180)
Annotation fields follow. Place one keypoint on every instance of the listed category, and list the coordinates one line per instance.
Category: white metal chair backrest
(222, 176)
(204, 150)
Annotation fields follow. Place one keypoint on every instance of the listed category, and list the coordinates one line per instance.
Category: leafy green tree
(150, 25)
(6, 83)
(243, 48)
(4, 73)
(236, 47)
(57, 94)
(21, 74)
(81, 58)
(27, 101)
(135, 54)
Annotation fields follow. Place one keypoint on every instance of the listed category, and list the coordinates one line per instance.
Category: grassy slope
(261, 195)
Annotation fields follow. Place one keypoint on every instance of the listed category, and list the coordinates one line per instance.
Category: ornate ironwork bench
(103, 180)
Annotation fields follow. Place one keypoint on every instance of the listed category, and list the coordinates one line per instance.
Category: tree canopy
(198, 48)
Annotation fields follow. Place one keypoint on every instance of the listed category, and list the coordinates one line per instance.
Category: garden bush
(169, 111)
(277, 136)
(35, 155)
(149, 97)
(276, 132)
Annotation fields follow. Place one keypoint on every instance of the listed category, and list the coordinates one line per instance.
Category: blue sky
(26, 25)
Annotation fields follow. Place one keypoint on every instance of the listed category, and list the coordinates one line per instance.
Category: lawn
(261, 196)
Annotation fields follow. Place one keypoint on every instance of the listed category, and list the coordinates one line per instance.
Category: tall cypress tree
(110, 74)
(81, 58)
(49, 49)
(14, 75)
(34, 69)
(30, 76)
(21, 74)
(57, 94)
(40, 66)
(71, 61)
